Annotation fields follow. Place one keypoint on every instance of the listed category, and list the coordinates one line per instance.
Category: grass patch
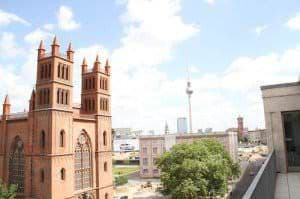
(124, 170)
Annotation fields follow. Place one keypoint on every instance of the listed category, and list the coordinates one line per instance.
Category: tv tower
(189, 93)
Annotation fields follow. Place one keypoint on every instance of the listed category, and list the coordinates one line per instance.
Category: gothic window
(90, 83)
(93, 83)
(48, 95)
(43, 139)
(105, 166)
(57, 96)
(63, 72)
(62, 138)
(66, 97)
(86, 84)
(62, 174)
(58, 71)
(67, 72)
(46, 71)
(93, 104)
(104, 138)
(42, 176)
(49, 71)
(106, 196)
(83, 168)
(40, 97)
(62, 97)
(17, 164)
(41, 71)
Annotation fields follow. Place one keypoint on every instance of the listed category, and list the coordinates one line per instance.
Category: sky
(231, 48)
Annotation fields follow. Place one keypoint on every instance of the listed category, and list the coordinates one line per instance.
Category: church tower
(95, 102)
(52, 143)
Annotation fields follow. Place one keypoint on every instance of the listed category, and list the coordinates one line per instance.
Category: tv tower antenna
(189, 93)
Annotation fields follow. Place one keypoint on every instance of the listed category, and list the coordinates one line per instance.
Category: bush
(121, 180)
(7, 192)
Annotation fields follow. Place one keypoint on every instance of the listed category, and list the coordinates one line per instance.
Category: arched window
(66, 98)
(58, 71)
(42, 176)
(106, 196)
(62, 138)
(105, 166)
(62, 174)
(48, 96)
(17, 164)
(49, 71)
(40, 97)
(42, 71)
(43, 139)
(62, 96)
(63, 72)
(104, 138)
(57, 96)
(67, 73)
(83, 164)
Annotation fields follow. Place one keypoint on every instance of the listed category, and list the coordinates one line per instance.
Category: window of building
(67, 72)
(105, 166)
(43, 139)
(106, 196)
(145, 161)
(155, 150)
(62, 174)
(83, 166)
(57, 96)
(62, 138)
(42, 175)
(58, 70)
(154, 161)
(17, 164)
(144, 150)
(63, 71)
(145, 171)
(104, 138)
(155, 171)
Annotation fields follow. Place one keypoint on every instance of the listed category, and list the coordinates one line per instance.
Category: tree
(195, 170)
(7, 192)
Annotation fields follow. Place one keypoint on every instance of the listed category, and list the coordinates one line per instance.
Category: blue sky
(232, 47)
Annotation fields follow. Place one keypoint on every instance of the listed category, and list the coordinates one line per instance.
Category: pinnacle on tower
(55, 41)
(41, 50)
(32, 101)
(55, 47)
(70, 48)
(70, 52)
(41, 47)
(107, 66)
(97, 64)
(84, 66)
(6, 101)
(6, 106)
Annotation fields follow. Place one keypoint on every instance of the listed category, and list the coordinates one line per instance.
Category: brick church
(59, 149)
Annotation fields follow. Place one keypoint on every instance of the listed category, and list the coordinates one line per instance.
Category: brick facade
(58, 149)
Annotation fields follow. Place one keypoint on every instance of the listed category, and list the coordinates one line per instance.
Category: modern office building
(182, 125)
(57, 149)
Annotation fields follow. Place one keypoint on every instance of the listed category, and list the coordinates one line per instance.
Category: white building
(182, 125)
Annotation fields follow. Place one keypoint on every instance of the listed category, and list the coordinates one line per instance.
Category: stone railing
(263, 185)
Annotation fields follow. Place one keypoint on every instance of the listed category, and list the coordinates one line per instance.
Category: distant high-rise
(182, 125)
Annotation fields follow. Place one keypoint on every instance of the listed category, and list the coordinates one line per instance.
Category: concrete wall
(278, 99)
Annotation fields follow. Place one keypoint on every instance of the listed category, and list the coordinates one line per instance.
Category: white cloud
(210, 2)
(65, 19)
(36, 36)
(259, 29)
(7, 18)
(48, 26)
(294, 22)
(8, 46)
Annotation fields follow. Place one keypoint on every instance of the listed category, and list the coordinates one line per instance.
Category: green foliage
(121, 180)
(198, 169)
(124, 170)
(7, 192)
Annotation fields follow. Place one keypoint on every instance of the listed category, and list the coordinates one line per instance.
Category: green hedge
(121, 180)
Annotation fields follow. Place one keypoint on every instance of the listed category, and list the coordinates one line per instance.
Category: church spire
(107, 66)
(84, 66)
(6, 106)
(97, 64)
(41, 50)
(70, 52)
(55, 47)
